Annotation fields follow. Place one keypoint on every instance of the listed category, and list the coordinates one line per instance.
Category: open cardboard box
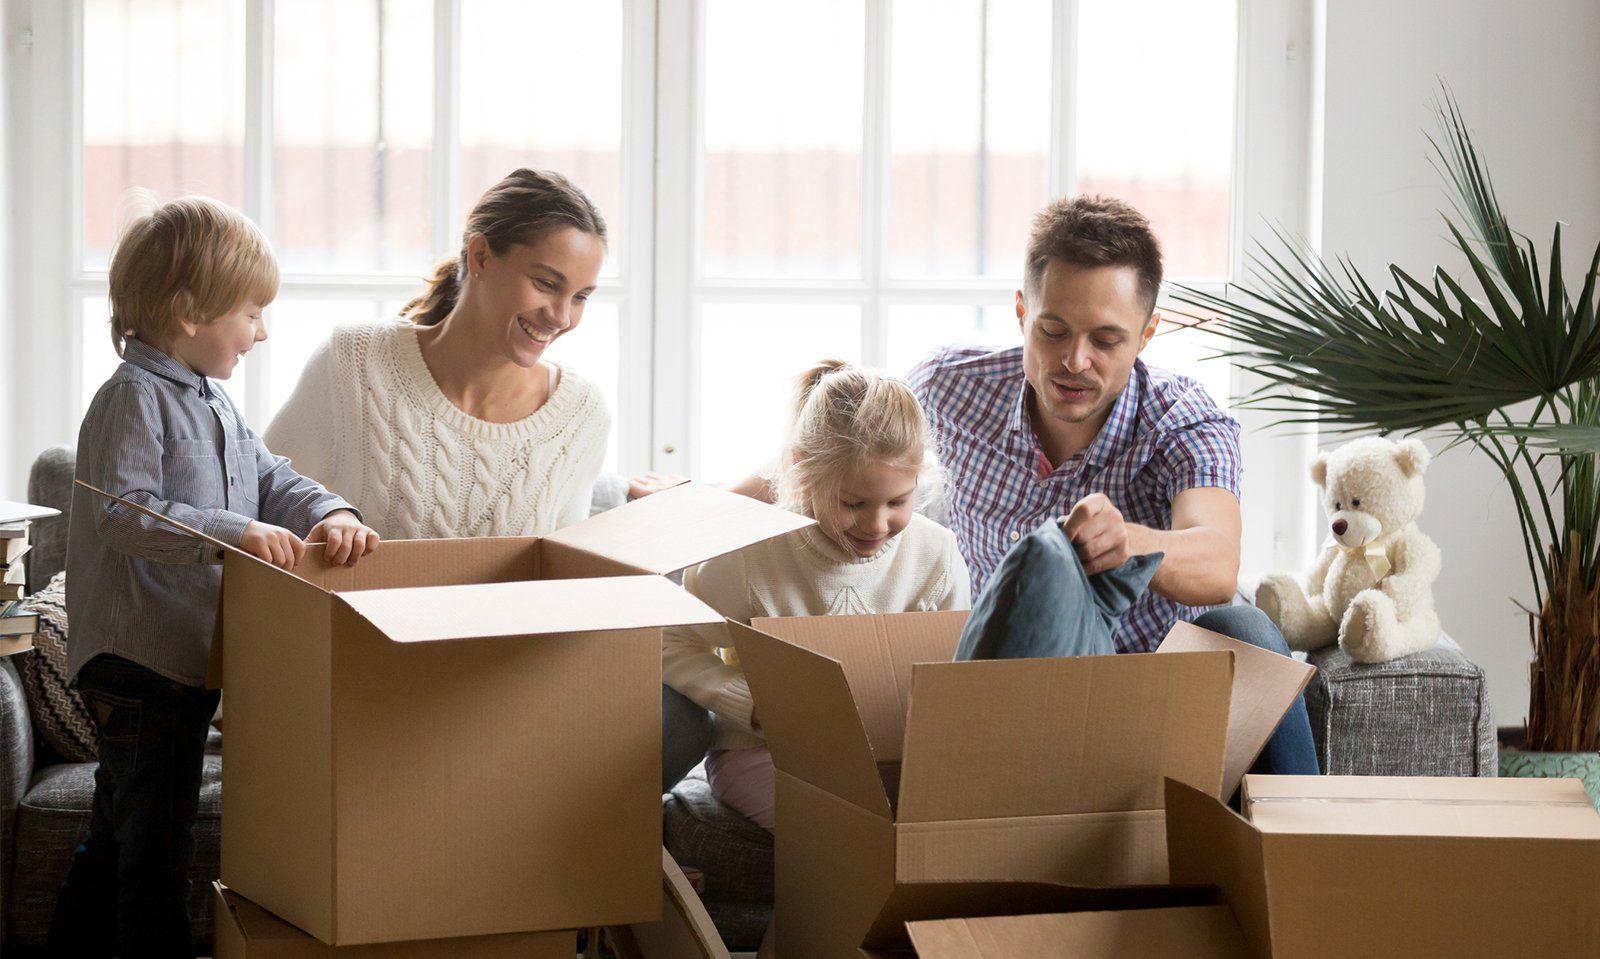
(461, 737)
(243, 930)
(1421, 868)
(895, 765)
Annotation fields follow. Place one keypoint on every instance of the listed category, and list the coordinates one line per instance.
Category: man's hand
(1098, 533)
(347, 538)
(274, 544)
(646, 483)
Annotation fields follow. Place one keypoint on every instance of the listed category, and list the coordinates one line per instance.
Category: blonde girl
(857, 450)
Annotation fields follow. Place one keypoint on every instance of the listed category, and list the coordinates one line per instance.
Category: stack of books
(17, 625)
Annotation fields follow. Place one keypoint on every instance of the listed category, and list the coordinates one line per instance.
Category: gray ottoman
(733, 854)
(1421, 715)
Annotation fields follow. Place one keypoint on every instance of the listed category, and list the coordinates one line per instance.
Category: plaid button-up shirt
(1164, 435)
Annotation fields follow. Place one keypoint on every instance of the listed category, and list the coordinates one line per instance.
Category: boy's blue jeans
(126, 893)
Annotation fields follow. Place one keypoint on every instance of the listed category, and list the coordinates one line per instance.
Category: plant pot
(1539, 765)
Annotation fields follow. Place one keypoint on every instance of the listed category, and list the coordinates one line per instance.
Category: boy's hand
(348, 540)
(274, 544)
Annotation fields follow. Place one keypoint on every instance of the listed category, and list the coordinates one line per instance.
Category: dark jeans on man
(127, 891)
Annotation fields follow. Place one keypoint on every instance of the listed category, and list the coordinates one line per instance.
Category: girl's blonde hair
(524, 207)
(192, 259)
(846, 417)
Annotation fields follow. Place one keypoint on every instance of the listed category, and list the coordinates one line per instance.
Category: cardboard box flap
(877, 653)
(1208, 843)
(1195, 932)
(431, 614)
(1073, 735)
(1421, 806)
(803, 703)
(914, 901)
(679, 527)
(1265, 685)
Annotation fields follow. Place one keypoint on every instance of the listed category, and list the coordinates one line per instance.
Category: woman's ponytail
(440, 298)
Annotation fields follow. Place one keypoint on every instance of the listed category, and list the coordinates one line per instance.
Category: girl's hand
(347, 538)
(274, 544)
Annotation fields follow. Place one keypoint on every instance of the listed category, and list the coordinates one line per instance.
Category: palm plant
(1505, 361)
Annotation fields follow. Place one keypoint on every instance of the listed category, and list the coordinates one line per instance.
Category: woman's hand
(347, 538)
(646, 483)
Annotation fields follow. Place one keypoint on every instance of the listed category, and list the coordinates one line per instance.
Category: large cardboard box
(684, 931)
(1398, 867)
(895, 765)
(462, 737)
(243, 930)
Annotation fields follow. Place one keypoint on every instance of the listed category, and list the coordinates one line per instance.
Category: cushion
(59, 714)
(733, 854)
(54, 818)
(1041, 603)
(1427, 714)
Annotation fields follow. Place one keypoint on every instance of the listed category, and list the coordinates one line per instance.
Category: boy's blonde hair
(846, 417)
(192, 258)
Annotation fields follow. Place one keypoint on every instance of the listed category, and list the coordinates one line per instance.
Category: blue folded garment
(1041, 603)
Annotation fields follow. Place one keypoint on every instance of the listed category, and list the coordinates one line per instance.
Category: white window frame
(659, 291)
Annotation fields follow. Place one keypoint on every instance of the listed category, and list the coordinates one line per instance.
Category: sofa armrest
(16, 769)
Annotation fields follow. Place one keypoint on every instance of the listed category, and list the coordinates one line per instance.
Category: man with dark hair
(1072, 424)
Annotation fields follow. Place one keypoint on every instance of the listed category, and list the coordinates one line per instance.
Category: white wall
(1528, 82)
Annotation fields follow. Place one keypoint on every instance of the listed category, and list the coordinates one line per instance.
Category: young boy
(188, 284)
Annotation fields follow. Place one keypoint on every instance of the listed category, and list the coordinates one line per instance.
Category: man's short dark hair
(1095, 230)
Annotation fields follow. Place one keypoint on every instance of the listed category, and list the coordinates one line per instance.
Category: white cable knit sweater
(368, 421)
(803, 573)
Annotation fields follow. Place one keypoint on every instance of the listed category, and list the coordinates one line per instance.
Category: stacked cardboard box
(896, 766)
(461, 738)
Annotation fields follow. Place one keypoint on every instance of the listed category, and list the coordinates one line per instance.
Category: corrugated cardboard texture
(1203, 932)
(1264, 687)
(1086, 734)
(1207, 843)
(277, 843)
(244, 930)
(877, 653)
(834, 870)
(1090, 849)
(924, 901)
(685, 930)
(804, 705)
(537, 837)
(430, 614)
(679, 527)
(1421, 806)
(1371, 895)
(429, 562)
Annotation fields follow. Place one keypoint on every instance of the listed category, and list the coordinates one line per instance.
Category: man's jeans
(1290, 751)
(127, 890)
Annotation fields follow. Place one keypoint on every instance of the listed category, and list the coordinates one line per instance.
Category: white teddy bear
(1371, 589)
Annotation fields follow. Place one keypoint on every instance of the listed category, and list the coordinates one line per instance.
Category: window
(355, 132)
(784, 181)
(864, 188)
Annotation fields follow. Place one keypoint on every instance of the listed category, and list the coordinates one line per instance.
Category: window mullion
(1064, 100)
(679, 146)
(875, 181)
(260, 24)
(445, 174)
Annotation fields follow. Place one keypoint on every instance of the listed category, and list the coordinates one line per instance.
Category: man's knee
(1246, 624)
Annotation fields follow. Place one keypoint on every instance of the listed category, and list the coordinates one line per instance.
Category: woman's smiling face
(535, 292)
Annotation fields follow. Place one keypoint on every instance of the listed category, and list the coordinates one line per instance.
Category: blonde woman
(857, 450)
(450, 421)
